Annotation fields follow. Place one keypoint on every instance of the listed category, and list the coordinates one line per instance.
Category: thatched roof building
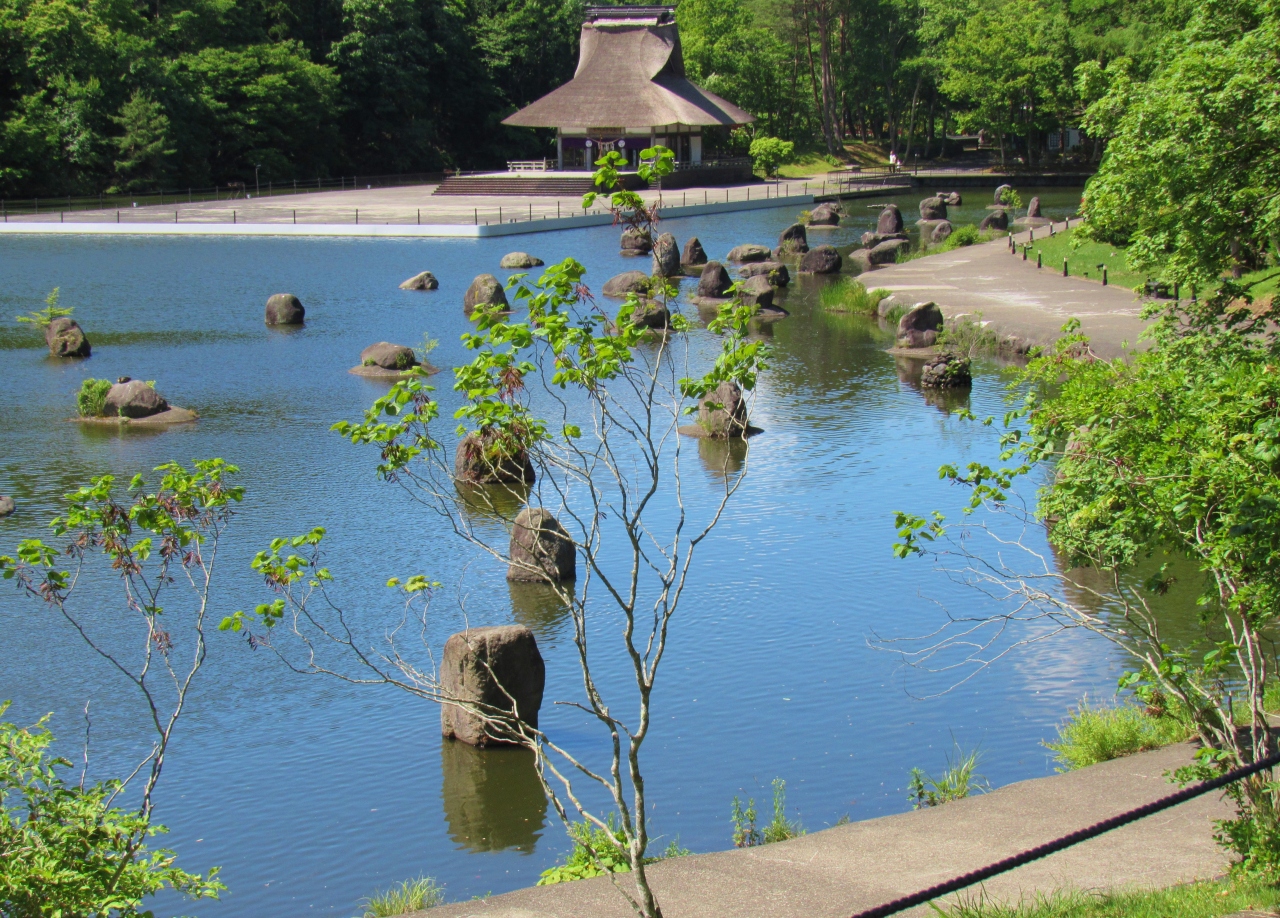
(630, 86)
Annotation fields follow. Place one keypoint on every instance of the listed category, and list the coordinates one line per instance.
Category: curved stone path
(839, 871)
(1014, 295)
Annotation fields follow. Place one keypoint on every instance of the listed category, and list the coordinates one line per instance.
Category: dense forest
(142, 94)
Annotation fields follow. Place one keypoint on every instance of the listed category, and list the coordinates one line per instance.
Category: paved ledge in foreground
(451, 230)
(841, 870)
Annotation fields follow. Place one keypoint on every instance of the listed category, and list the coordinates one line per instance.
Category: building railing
(735, 162)
(530, 165)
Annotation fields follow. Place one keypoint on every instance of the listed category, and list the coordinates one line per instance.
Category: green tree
(769, 153)
(145, 145)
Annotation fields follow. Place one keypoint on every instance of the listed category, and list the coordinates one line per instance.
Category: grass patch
(1092, 734)
(1083, 257)
(1210, 899)
(599, 851)
(409, 896)
(779, 828)
(964, 235)
(847, 295)
(814, 160)
(968, 337)
(958, 780)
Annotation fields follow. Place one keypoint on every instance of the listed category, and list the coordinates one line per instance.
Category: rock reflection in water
(492, 798)
(723, 457)
(539, 608)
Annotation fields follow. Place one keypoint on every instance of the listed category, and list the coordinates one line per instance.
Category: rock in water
(635, 242)
(1033, 209)
(933, 209)
(822, 260)
(824, 215)
(519, 260)
(482, 458)
(284, 309)
(776, 271)
(951, 197)
(940, 232)
(871, 240)
(497, 672)
(861, 261)
(620, 285)
(666, 256)
(996, 220)
(66, 338)
(693, 255)
(946, 371)
(887, 251)
(890, 221)
(1000, 192)
(749, 252)
(920, 326)
(6, 505)
(424, 281)
(133, 398)
(714, 282)
(793, 240)
(652, 315)
(484, 291)
(541, 550)
(756, 291)
(722, 412)
(388, 356)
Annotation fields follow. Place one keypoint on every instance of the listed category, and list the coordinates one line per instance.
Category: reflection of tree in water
(539, 608)
(723, 457)
(492, 798)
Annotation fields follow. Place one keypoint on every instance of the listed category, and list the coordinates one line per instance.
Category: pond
(312, 794)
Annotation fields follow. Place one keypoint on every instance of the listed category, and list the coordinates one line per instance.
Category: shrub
(598, 851)
(965, 234)
(968, 336)
(847, 295)
(957, 781)
(42, 318)
(65, 850)
(410, 896)
(91, 400)
(1010, 198)
(745, 832)
(428, 345)
(768, 153)
(1091, 735)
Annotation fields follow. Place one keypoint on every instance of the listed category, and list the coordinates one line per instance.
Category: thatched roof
(630, 74)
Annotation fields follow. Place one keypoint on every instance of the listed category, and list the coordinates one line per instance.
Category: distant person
(893, 161)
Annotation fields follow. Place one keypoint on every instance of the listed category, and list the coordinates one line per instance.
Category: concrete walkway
(842, 870)
(1014, 296)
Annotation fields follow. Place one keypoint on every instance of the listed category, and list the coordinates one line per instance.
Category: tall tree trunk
(911, 124)
(830, 119)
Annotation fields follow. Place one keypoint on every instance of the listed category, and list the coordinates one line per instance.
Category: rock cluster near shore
(495, 676)
(946, 371)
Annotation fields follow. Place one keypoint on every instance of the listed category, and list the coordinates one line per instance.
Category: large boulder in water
(775, 271)
(666, 256)
(714, 282)
(722, 412)
(933, 208)
(519, 260)
(946, 371)
(822, 260)
(693, 255)
(824, 215)
(1033, 209)
(422, 281)
(484, 291)
(793, 240)
(635, 242)
(920, 326)
(890, 221)
(483, 457)
(6, 505)
(541, 550)
(941, 232)
(627, 282)
(133, 398)
(1001, 190)
(749, 252)
(388, 356)
(66, 338)
(495, 676)
(887, 251)
(284, 309)
(652, 315)
(756, 291)
(996, 220)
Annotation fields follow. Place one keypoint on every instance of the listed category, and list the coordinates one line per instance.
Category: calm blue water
(310, 793)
